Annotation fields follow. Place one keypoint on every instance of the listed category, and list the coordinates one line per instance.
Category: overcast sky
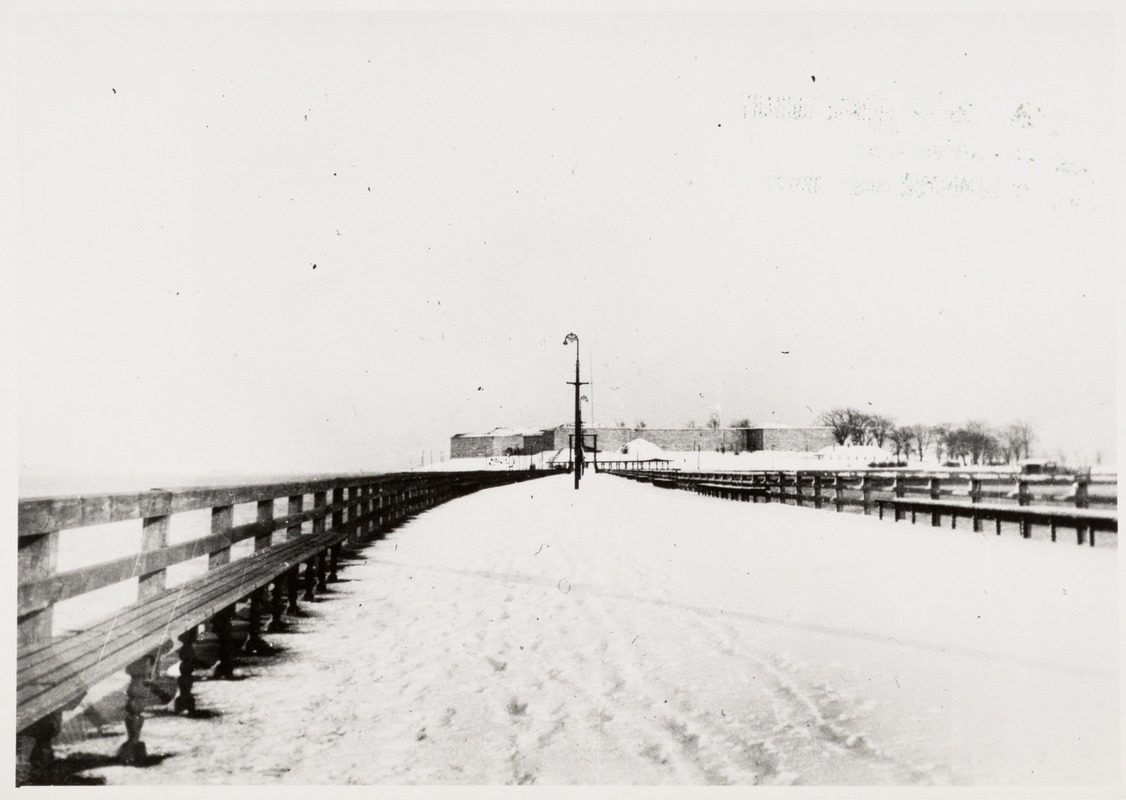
(286, 242)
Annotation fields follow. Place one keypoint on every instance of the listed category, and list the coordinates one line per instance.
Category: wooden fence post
(337, 524)
(866, 494)
(296, 505)
(936, 494)
(817, 490)
(338, 514)
(798, 499)
(260, 597)
(221, 522)
(265, 515)
(838, 491)
(154, 536)
(1082, 500)
(975, 499)
(898, 490)
(1023, 500)
(318, 561)
(38, 558)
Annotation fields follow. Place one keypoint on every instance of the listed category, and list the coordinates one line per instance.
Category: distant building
(510, 441)
(497, 442)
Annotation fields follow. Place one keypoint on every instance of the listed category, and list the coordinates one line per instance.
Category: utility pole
(590, 370)
(578, 411)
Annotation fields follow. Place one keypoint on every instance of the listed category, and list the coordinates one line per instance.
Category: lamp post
(590, 371)
(578, 440)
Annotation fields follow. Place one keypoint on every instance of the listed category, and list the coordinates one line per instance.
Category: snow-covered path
(630, 634)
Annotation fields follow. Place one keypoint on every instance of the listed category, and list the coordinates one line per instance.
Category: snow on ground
(627, 634)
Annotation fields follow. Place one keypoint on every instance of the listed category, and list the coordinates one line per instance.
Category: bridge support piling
(254, 642)
(35, 750)
(277, 606)
(185, 700)
(138, 694)
(221, 625)
(293, 585)
(310, 580)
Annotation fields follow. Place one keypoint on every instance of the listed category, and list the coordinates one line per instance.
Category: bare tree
(976, 435)
(1012, 441)
(957, 443)
(992, 448)
(860, 427)
(640, 424)
(690, 424)
(838, 420)
(879, 428)
(923, 436)
(848, 424)
(1027, 435)
(713, 420)
(902, 437)
(621, 423)
(742, 422)
(941, 433)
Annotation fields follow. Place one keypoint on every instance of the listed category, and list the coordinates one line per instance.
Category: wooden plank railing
(55, 669)
(1082, 502)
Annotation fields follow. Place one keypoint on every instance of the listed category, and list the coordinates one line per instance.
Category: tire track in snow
(743, 755)
(567, 687)
(797, 709)
(668, 735)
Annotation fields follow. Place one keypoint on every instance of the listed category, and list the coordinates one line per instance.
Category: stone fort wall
(483, 446)
(611, 440)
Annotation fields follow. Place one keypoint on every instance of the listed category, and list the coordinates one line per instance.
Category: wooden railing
(1081, 502)
(55, 669)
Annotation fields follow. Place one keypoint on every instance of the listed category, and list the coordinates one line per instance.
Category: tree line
(974, 442)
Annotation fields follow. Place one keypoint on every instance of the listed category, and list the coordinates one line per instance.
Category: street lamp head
(570, 338)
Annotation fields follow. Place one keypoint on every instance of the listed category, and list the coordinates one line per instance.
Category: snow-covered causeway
(630, 634)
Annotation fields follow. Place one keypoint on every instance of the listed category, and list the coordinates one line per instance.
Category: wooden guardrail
(55, 670)
(1080, 502)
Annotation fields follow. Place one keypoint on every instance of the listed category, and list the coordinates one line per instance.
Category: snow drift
(628, 634)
